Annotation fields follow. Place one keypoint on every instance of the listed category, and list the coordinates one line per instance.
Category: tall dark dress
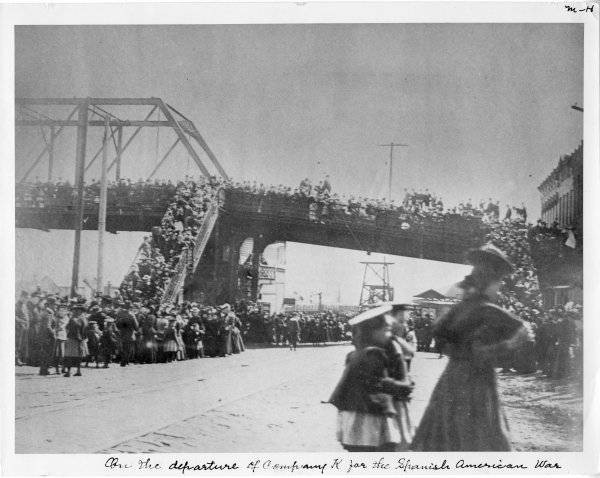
(464, 412)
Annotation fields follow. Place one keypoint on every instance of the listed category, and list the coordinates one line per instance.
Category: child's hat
(370, 314)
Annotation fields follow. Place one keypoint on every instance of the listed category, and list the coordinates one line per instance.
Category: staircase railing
(190, 257)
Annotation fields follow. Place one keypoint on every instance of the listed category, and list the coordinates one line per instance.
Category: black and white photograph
(302, 237)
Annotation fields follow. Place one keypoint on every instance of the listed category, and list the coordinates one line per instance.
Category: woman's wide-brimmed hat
(370, 314)
(397, 305)
(491, 258)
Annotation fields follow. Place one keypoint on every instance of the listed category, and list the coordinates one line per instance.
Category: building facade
(562, 192)
(558, 251)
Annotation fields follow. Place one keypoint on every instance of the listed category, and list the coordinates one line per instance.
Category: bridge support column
(260, 244)
(79, 178)
(233, 258)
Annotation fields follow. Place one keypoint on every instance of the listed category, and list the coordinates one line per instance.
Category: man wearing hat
(75, 346)
(464, 412)
(108, 341)
(97, 315)
(293, 331)
(34, 307)
(46, 336)
(127, 325)
(21, 328)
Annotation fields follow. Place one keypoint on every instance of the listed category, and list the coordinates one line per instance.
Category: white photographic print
(300, 238)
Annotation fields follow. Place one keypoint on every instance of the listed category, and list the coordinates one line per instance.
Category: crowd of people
(123, 194)
(320, 204)
(290, 328)
(159, 256)
(557, 342)
(557, 347)
(56, 333)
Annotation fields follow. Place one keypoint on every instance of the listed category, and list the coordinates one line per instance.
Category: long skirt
(357, 429)
(148, 350)
(211, 345)
(225, 343)
(464, 412)
(170, 346)
(75, 350)
(237, 343)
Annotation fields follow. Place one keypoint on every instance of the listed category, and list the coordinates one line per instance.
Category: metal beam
(88, 101)
(41, 155)
(51, 152)
(119, 148)
(181, 134)
(79, 182)
(102, 210)
(200, 140)
(112, 123)
(99, 150)
(164, 158)
(131, 138)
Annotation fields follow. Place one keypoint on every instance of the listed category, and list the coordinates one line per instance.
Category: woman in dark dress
(76, 345)
(148, 342)
(212, 336)
(464, 412)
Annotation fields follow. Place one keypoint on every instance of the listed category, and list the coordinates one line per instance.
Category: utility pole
(391, 146)
(102, 210)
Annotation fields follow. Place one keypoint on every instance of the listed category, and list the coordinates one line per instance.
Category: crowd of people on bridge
(159, 257)
(322, 204)
(123, 195)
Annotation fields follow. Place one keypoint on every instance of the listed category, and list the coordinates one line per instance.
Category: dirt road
(264, 400)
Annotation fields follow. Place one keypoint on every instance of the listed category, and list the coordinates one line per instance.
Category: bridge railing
(190, 257)
(299, 208)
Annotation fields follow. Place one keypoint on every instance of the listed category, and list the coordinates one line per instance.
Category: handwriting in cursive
(589, 8)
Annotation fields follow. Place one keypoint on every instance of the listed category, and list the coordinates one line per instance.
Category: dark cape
(464, 412)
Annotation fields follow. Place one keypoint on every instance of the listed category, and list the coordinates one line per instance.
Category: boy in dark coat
(93, 343)
(108, 341)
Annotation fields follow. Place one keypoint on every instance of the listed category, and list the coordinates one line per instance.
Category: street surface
(264, 400)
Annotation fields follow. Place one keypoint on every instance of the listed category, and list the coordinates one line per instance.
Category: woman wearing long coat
(237, 342)
(464, 412)
(212, 336)
(76, 345)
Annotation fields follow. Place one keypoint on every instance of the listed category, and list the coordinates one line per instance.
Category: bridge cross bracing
(96, 112)
(28, 113)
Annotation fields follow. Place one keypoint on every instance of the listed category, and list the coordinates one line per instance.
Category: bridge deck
(289, 218)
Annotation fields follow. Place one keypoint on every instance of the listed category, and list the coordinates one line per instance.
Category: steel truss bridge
(51, 116)
(238, 216)
(269, 219)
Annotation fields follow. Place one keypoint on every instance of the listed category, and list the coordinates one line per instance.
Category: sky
(484, 108)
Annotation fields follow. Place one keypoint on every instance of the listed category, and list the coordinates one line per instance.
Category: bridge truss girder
(183, 127)
(85, 108)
